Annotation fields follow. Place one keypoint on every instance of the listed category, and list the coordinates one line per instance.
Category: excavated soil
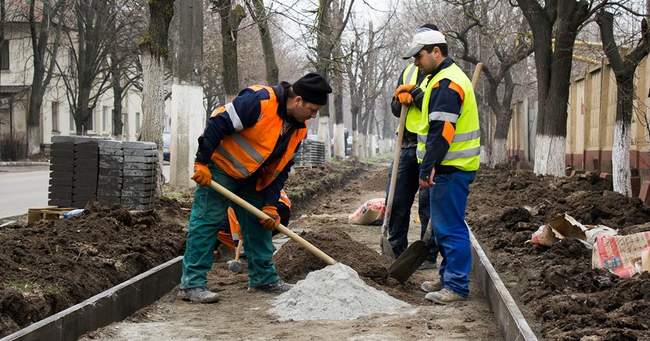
(556, 286)
(52, 264)
(294, 262)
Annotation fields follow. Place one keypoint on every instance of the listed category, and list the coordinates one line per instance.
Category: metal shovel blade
(409, 261)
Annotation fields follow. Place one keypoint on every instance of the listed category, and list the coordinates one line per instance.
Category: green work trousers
(208, 211)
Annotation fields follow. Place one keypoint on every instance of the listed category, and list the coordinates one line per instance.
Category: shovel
(386, 248)
(411, 259)
(261, 215)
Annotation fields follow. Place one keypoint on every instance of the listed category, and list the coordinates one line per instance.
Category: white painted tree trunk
(34, 142)
(485, 156)
(550, 155)
(355, 144)
(339, 141)
(362, 147)
(622, 176)
(324, 135)
(499, 152)
(153, 106)
(372, 147)
(188, 122)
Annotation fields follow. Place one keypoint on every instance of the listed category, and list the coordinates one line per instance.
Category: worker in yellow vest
(409, 170)
(448, 150)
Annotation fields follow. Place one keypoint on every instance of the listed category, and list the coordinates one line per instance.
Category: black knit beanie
(313, 88)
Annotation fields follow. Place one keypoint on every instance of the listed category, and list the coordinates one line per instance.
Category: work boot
(430, 286)
(198, 295)
(273, 288)
(444, 296)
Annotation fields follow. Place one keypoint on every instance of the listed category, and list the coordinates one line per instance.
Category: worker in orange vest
(247, 147)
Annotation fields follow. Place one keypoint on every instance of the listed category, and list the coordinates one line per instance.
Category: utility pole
(187, 112)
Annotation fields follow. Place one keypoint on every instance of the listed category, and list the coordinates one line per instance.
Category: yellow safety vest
(464, 151)
(414, 117)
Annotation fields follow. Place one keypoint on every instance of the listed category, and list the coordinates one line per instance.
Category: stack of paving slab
(111, 172)
(311, 153)
(109, 180)
(61, 171)
(139, 175)
(86, 165)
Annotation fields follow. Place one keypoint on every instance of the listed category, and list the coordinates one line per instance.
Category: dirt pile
(293, 262)
(556, 285)
(50, 265)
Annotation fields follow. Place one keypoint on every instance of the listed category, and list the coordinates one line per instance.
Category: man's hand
(202, 174)
(405, 98)
(274, 221)
(427, 183)
(403, 88)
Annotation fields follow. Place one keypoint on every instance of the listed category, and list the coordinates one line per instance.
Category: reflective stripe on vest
(241, 154)
(465, 146)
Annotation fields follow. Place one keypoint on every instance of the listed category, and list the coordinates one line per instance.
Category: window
(55, 116)
(106, 119)
(4, 54)
(137, 122)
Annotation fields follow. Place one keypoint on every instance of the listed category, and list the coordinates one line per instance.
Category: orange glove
(403, 88)
(202, 174)
(405, 98)
(274, 221)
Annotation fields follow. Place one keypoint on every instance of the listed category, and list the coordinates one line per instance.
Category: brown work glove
(202, 174)
(274, 221)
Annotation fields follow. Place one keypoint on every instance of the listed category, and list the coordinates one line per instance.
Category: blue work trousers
(448, 200)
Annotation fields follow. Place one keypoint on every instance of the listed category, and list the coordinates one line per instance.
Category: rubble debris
(621, 255)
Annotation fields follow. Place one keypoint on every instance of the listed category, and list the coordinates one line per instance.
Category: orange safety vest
(242, 153)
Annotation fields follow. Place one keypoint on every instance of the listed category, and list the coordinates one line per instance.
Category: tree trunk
(559, 20)
(624, 69)
(153, 98)
(230, 20)
(622, 175)
(117, 100)
(261, 18)
(499, 149)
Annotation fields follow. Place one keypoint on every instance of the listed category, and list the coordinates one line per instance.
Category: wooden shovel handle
(261, 215)
(477, 74)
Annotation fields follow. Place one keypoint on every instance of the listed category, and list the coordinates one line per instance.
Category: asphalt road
(22, 188)
(25, 187)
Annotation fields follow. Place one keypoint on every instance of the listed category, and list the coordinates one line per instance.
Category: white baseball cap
(423, 36)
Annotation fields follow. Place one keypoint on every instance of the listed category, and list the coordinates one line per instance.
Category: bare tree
(87, 77)
(45, 33)
(505, 30)
(231, 18)
(260, 16)
(624, 67)
(124, 67)
(555, 25)
(328, 37)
